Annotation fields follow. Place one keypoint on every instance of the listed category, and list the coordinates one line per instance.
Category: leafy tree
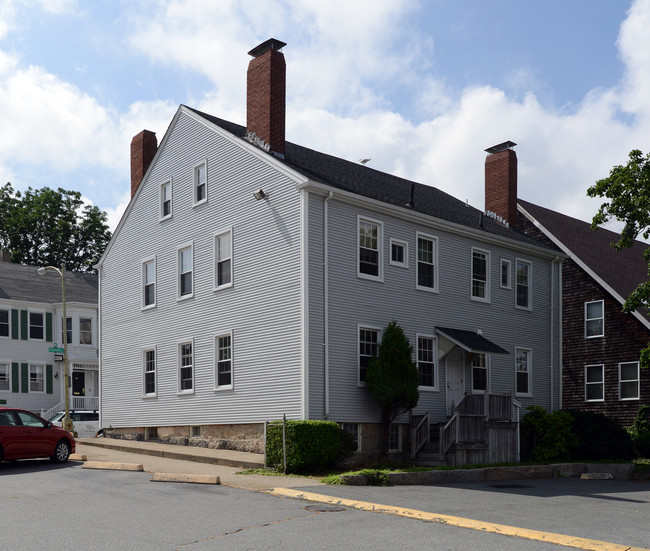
(627, 189)
(392, 377)
(49, 228)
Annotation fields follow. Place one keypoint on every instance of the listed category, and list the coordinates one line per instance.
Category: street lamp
(67, 420)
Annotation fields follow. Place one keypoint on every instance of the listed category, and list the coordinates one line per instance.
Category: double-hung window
(36, 378)
(628, 376)
(186, 367)
(223, 374)
(200, 183)
(594, 319)
(149, 283)
(370, 248)
(68, 330)
(394, 437)
(223, 259)
(368, 346)
(353, 430)
(166, 200)
(149, 371)
(480, 275)
(426, 361)
(505, 274)
(185, 272)
(5, 376)
(85, 331)
(427, 262)
(523, 371)
(594, 383)
(479, 373)
(36, 326)
(523, 297)
(4, 322)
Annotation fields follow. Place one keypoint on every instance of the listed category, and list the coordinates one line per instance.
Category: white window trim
(602, 382)
(530, 372)
(7, 362)
(361, 326)
(399, 439)
(404, 244)
(505, 262)
(8, 336)
(638, 382)
(29, 325)
(436, 371)
(530, 284)
(93, 324)
(215, 253)
(488, 282)
(380, 248)
(161, 216)
(436, 272)
(29, 377)
(154, 394)
(178, 367)
(189, 245)
(217, 387)
(592, 319)
(195, 183)
(359, 425)
(487, 377)
(143, 282)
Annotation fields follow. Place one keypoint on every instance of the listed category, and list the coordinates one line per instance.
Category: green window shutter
(14, 324)
(23, 325)
(48, 326)
(48, 379)
(15, 377)
(24, 368)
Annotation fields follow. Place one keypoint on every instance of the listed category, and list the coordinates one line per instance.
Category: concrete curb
(186, 478)
(113, 466)
(78, 457)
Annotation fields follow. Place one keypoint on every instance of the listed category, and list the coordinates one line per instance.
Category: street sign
(55, 349)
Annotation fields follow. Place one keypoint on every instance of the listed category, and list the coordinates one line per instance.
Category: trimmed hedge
(599, 437)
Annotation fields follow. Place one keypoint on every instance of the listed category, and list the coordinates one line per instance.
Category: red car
(24, 435)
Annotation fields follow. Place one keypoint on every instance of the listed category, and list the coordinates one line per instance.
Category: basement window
(195, 432)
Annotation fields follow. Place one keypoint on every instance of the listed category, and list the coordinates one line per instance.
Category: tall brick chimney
(143, 149)
(501, 182)
(265, 98)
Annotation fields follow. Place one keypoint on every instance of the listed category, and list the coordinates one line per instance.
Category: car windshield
(56, 417)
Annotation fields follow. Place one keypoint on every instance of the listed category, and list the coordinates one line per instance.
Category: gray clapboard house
(250, 278)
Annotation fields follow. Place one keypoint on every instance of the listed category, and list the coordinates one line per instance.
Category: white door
(455, 362)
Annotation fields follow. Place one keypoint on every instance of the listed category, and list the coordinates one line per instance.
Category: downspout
(326, 303)
(561, 344)
(552, 329)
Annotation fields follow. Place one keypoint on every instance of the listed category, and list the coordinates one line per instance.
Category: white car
(86, 423)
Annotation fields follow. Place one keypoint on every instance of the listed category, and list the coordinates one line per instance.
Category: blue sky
(422, 88)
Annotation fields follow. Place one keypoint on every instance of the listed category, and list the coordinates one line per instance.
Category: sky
(421, 88)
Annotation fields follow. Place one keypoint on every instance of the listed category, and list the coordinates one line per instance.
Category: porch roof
(471, 341)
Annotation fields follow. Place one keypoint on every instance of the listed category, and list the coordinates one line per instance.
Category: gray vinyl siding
(261, 309)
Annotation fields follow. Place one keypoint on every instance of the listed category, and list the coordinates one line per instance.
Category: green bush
(642, 445)
(311, 445)
(641, 422)
(600, 438)
(545, 436)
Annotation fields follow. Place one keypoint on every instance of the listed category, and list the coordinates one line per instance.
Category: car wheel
(61, 452)
(2, 455)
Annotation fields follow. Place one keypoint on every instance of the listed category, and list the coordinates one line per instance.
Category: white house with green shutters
(31, 339)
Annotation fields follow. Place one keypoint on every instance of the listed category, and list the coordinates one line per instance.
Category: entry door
(78, 383)
(455, 362)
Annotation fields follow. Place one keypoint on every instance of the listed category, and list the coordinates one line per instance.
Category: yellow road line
(489, 527)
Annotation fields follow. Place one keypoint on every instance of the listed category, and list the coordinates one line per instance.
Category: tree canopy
(45, 227)
(627, 190)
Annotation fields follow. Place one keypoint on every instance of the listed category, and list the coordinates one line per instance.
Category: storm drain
(324, 509)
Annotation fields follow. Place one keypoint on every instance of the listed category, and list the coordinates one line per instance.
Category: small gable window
(594, 319)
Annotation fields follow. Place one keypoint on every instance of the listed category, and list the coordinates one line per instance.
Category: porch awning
(471, 341)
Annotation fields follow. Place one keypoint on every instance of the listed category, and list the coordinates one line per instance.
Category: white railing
(90, 403)
(420, 427)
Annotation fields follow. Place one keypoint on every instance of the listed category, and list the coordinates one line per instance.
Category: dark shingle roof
(19, 282)
(621, 270)
(362, 180)
(471, 340)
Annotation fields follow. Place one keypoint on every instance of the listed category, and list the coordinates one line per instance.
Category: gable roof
(20, 282)
(620, 272)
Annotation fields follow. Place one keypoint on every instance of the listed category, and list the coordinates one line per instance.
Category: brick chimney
(265, 97)
(143, 149)
(501, 183)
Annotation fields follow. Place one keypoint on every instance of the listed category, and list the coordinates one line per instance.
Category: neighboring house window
(479, 373)
(505, 274)
(85, 331)
(523, 284)
(36, 328)
(166, 200)
(185, 269)
(36, 378)
(628, 375)
(594, 319)
(370, 246)
(353, 429)
(149, 283)
(368, 346)
(223, 375)
(200, 184)
(149, 358)
(5, 374)
(68, 327)
(480, 275)
(594, 383)
(427, 262)
(185, 367)
(394, 437)
(398, 253)
(223, 259)
(4, 323)
(426, 361)
(523, 371)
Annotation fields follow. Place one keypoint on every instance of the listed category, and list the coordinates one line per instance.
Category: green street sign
(55, 349)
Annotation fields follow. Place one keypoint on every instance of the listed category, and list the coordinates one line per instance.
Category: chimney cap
(501, 147)
(270, 44)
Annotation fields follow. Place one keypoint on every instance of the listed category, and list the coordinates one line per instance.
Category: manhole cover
(509, 486)
(324, 508)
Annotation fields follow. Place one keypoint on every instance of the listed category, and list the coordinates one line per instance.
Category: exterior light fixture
(259, 194)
